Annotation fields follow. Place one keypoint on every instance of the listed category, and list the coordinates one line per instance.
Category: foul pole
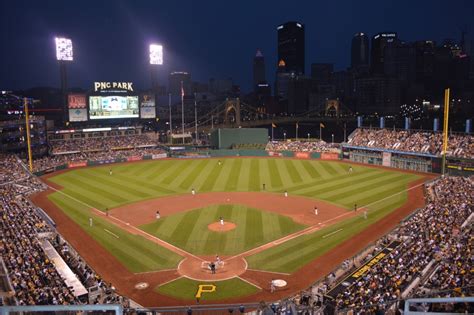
(28, 141)
(445, 130)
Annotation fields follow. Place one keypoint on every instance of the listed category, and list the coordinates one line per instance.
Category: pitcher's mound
(218, 227)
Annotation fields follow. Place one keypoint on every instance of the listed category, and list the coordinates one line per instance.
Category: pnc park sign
(99, 86)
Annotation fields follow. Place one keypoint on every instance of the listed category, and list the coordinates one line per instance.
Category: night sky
(207, 38)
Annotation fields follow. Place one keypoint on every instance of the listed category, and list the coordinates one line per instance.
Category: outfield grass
(326, 180)
(188, 230)
(184, 288)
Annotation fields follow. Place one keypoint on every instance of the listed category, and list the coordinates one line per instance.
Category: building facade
(291, 46)
(359, 51)
(258, 69)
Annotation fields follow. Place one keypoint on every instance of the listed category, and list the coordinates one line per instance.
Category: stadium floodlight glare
(63, 49)
(156, 54)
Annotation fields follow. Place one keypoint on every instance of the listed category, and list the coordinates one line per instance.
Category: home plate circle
(141, 285)
(279, 283)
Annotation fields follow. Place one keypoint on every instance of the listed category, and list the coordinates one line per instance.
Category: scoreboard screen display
(113, 107)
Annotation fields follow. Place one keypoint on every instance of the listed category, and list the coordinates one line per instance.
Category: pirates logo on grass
(204, 288)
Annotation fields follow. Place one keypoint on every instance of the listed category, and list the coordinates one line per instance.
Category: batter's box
(207, 265)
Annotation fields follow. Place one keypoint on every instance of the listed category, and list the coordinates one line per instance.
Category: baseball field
(239, 212)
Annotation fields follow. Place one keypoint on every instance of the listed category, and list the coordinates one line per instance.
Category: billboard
(77, 107)
(113, 107)
(147, 106)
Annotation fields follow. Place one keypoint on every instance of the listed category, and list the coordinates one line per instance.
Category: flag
(321, 125)
(273, 125)
(182, 89)
(296, 125)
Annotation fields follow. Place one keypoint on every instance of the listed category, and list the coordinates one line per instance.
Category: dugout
(225, 138)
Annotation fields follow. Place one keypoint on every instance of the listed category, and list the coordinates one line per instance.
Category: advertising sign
(302, 155)
(330, 156)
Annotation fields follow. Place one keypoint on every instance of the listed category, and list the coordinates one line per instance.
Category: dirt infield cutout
(218, 227)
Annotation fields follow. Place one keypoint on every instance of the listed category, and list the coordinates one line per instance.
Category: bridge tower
(232, 104)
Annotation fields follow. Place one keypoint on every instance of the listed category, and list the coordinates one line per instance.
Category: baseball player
(110, 171)
(221, 220)
(157, 215)
(272, 286)
(365, 214)
(315, 210)
(90, 222)
(193, 192)
(350, 169)
(286, 193)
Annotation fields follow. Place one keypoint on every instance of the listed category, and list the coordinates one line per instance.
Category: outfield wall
(225, 138)
(197, 155)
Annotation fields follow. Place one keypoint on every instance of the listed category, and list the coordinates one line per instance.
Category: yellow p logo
(205, 288)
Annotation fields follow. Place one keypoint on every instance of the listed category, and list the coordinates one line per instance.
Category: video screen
(112, 107)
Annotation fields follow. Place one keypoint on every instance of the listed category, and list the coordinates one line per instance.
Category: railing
(117, 309)
(432, 301)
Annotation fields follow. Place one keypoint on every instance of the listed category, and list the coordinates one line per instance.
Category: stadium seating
(301, 146)
(428, 142)
(33, 278)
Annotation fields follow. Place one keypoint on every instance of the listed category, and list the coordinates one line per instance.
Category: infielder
(286, 193)
(193, 192)
(315, 210)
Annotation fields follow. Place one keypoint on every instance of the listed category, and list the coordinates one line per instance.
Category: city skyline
(112, 50)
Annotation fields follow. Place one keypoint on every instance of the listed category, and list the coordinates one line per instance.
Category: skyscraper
(379, 43)
(258, 69)
(291, 46)
(359, 50)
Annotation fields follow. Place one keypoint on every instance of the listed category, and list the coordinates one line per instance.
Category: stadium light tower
(156, 59)
(64, 54)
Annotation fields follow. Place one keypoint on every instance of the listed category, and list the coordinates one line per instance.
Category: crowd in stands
(302, 146)
(100, 143)
(33, 278)
(436, 250)
(10, 168)
(459, 145)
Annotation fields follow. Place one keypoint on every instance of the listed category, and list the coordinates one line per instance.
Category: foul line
(158, 240)
(327, 235)
(398, 193)
(153, 271)
(244, 280)
(169, 281)
(275, 272)
(111, 233)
